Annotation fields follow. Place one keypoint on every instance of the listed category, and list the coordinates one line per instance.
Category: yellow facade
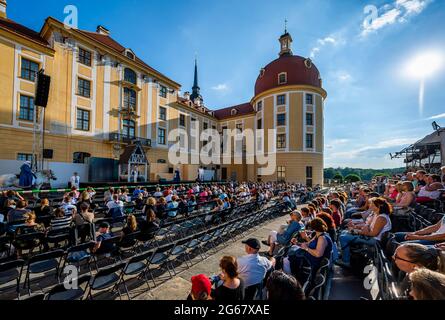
(106, 76)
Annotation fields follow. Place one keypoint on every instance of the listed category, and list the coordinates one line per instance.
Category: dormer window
(233, 112)
(129, 54)
(282, 78)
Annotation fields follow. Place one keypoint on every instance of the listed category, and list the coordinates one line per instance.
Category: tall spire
(285, 26)
(195, 90)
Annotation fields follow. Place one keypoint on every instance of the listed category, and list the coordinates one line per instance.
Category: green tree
(352, 178)
(338, 177)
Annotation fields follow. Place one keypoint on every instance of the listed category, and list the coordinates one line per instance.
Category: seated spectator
(420, 180)
(138, 190)
(283, 238)
(161, 208)
(252, 268)
(172, 207)
(306, 216)
(327, 218)
(201, 288)
(103, 234)
(60, 220)
(411, 256)
(232, 287)
(428, 236)
(131, 226)
(108, 195)
(115, 207)
(139, 202)
(85, 198)
(158, 194)
(91, 192)
(431, 191)
(408, 197)
(315, 250)
(335, 206)
(191, 203)
(149, 225)
(83, 220)
(68, 205)
(283, 287)
(427, 285)
(30, 222)
(18, 214)
(44, 209)
(380, 224)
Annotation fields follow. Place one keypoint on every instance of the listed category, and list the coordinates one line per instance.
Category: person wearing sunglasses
(411, 256)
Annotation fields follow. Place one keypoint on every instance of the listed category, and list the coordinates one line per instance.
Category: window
(259, 124)
(259, 106)
(239, 126)
(163, 92)
(214, 127)
(130, 76)
(81, 157)
(161, 136)
(26, 108)
(193, 119)
(282, 78)
(24, 157)
(162, 161)
(281, 100)
(308, 172)
(182, 120)
(281, 119)
(281, 141)
(129, 129)
(83, 120)
(309, 99)
(309, 140)
(205, 125)
(162, 113)
(129, 99)
(309, 177)
(130, 55)
(281, 173)
(85, 57)
(233, 112)
(84, 88)
(309, 119)
(29, 69)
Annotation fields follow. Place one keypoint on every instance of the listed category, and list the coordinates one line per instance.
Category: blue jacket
(285, 237)
(26, 176)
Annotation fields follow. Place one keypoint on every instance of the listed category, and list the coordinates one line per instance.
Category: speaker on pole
(42, 89)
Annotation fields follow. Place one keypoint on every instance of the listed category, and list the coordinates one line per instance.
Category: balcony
(124, 139)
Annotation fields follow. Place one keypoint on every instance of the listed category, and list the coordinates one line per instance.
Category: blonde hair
(151, 201)
(30, 217)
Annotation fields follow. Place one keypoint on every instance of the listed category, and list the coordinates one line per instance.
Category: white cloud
(439, 116)
(334, 40)
(221, 87)
(357, 152)
(397, 12)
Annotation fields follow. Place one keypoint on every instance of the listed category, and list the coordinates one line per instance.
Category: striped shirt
(61, 223)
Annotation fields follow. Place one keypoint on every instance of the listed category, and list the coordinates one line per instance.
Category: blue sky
(372, 108)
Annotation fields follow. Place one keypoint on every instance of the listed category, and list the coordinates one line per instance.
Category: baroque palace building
(103, 97)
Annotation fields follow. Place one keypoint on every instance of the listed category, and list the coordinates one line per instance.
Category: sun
(424, 65)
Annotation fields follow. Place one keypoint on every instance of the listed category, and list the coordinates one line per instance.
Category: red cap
(200, 284)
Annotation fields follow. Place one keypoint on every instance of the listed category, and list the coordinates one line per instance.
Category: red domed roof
(300, 71)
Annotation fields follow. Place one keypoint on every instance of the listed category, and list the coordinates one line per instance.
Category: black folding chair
(78, 254)
(75, 290)
(106, 278)
(136, 267)
(160, 259)
(11, 272)
(43, 263)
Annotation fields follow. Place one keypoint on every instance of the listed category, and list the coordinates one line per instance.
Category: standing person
(75, 180)
(26, 175)
(201, 174)
(134, 175)
(177, 177)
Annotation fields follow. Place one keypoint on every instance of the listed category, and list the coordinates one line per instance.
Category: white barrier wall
(63, 171)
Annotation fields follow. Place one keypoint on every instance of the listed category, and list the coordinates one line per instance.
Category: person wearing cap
(101, 235)
(283, 238)
(201, 288)
(252, 268)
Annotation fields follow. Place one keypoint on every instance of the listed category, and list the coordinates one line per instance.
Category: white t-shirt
(113, 204)
(252, 268)
(75, 181)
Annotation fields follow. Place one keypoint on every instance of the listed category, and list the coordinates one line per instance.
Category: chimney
(3, 6)
(101, 30)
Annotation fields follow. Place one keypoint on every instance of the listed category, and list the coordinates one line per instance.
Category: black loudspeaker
(48, 153)
(42, 89)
